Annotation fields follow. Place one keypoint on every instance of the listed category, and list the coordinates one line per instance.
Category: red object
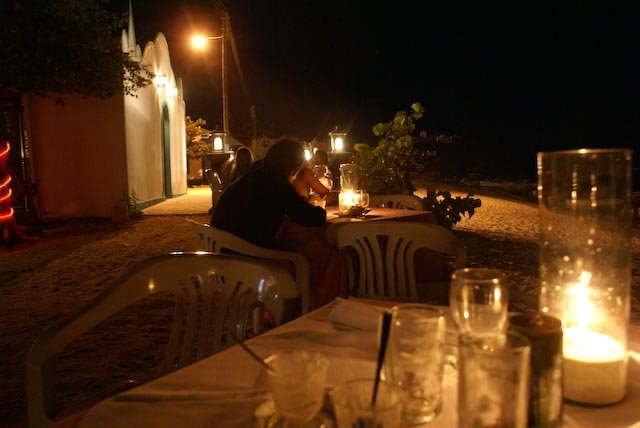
(11, 231)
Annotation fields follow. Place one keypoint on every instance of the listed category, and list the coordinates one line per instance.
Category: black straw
(384, 336)
(249, 351)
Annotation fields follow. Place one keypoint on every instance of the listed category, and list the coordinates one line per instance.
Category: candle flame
(582, 309)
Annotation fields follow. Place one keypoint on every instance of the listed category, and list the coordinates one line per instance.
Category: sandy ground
(44, 280)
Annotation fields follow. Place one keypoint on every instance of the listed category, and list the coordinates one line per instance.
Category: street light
(199, 42)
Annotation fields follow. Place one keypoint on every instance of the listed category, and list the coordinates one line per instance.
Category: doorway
(166, 150)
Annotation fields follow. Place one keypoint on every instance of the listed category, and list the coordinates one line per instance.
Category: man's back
(254, 206)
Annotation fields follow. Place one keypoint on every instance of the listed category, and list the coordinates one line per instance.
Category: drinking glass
(352, 404)
(363, 199)
(493, 380)
(414, 360)
(479, 301)
(297, 384)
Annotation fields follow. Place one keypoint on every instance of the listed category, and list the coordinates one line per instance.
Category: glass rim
(478, 274)
(318, 359)
(422, 306)
(585, 151)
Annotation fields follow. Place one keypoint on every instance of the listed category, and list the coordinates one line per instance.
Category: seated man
(254, 206)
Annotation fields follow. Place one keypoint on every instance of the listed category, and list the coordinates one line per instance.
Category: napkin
(355, 315)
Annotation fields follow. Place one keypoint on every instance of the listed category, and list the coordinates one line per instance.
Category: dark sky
(510, 78)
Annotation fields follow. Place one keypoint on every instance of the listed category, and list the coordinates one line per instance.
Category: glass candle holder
(584, 199)
(349, 176)
(346, 199)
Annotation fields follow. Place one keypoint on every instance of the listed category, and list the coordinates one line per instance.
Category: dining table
(381, 214)
(229, 389)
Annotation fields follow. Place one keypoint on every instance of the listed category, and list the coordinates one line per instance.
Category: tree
(66, 47)
(196, 146)
(401, 150)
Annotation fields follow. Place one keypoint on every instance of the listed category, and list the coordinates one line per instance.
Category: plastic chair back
(216, 240)
(380, 260)
(212, 292)
(215, 184)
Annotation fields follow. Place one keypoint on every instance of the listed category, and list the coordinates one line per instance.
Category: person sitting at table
(305, 181)
(242, 163)
(254, 206)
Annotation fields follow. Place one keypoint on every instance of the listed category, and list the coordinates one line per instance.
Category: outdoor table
(227, 388)
(381, 214)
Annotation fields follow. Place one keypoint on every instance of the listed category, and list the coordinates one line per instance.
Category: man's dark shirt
(254, 206)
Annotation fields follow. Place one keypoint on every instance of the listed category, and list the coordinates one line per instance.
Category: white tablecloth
(225, 389)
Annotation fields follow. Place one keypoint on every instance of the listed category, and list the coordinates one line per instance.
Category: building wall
(94, 156)
(144, 130)
(79, 156)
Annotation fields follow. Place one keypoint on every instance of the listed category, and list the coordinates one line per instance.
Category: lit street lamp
(200, 42)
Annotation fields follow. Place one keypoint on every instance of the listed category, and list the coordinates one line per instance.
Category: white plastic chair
(216, 240)
(213, 293)
(380, 256)
(215, 184)
(397, 200)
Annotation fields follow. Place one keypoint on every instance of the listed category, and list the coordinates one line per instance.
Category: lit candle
(594, 367)
(346, 199)
(594, 363)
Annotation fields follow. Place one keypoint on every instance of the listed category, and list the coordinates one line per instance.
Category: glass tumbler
(297, 384)
(414, 360)
(493, 381)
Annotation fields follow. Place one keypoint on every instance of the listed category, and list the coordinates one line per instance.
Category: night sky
(509, 78)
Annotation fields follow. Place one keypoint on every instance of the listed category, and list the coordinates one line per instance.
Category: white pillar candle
(594, 367)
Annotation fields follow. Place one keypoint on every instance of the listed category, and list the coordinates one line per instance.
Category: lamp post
(200, 42)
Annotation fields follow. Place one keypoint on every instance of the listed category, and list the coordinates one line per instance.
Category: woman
(242, 163)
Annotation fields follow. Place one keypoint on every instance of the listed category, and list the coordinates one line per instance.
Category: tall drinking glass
(493, 381)
(479, 301)
(414, 360)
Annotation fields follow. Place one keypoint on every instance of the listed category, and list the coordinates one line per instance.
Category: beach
(43, 280)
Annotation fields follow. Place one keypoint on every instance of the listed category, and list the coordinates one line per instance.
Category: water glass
(363, 198)
(297, 384)
(479, 301)
(414, 360)
(493, 381)
(352, 404)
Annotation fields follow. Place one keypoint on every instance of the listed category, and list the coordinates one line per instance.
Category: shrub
(401, 150)
(448, 210)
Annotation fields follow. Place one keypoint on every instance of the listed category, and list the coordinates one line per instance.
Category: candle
(346, 199)
(545, 384)
(594, 367)
(594, 363)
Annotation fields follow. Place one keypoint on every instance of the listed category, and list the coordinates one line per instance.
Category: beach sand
(44, 280)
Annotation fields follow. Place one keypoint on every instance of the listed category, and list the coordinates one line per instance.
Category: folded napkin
(347, 313)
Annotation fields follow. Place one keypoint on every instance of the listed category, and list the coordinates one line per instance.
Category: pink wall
(80, 157)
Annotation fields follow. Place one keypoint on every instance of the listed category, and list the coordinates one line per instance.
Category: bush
(448, 210)
(401, 151)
